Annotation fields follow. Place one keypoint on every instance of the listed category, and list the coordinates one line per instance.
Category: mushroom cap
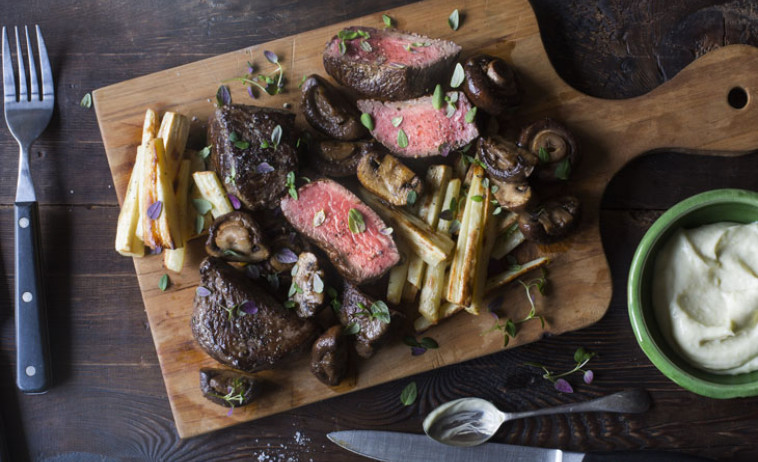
(505, 160)
(491, 84)
(236, 236)
(557, 142)
(329, 112)
(552, 221)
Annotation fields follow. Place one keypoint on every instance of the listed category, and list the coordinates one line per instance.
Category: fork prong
(9, 84)
(44, 64)
(21, 71)
(33, 85)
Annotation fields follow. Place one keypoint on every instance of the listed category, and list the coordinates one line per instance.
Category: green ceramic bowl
(733, 205)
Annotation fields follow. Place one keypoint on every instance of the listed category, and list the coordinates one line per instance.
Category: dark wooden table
(109, 401)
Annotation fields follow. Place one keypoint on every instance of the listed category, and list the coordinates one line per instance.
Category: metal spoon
(472, 421)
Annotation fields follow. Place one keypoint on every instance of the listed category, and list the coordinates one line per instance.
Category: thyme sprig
(581, 357)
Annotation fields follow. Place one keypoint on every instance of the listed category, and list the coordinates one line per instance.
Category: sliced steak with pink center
(428, 131)
(388, 64)
(321, 214)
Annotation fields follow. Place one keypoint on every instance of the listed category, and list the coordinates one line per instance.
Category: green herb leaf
(205, 152)
(199, 223)
(355, 221)
(510, 328)
(352, 329)
(582, 355)
(454, 19)
(265, 144)
(202, 206)
(446, 215)
(498, 210)
(343, 48)
(455, 226)
(163, 283)
(345, 34)
(319, 218)
(563, 170)
(367, 121)
(380, 311)
(429, 343)
(412, 197)
(402, 139)
(437, 98)
(365, 46)
(234, 137)
(318, 284)
(471, 115)
(291, 187)
(276, 136)
(387, 20)
(477, 198)
(450, 111)
(396, 121)
(86, 101)
(289, 304)
(458, 75)
(543, 155)
(409, 394)
(242, 144)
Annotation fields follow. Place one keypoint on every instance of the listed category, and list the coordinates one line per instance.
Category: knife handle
(642, 456)
(32, 348)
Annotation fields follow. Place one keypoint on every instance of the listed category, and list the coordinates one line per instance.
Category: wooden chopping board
(691, 111)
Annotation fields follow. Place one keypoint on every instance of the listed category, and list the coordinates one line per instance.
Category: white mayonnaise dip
(705, 296)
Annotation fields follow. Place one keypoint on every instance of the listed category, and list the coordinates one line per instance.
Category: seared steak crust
(248, 341)
(372, 331)
(257, 175)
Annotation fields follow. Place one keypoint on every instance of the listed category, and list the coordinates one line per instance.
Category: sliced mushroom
(555, 147)
(329, 112)
(308, 294)
(513, 196)
(552, 221)
(235, 236)
(387, 177)
(505, 160)
(329, 356)
(491, 84)
(338, 158)
(228, 388)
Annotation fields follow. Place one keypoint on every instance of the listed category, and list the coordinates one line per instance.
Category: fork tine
(44, 64)
(33, 85)
(9, 84)
(21, 71)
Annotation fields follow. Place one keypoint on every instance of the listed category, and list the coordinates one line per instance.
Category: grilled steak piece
(329, 112)
(256, 175)
(360, 255)
(428, 131)
(388, 64)
(329, 356)
(358, 308)
(240, 325)
(228, 388)
(308, 294)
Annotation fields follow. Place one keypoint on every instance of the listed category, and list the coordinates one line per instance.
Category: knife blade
(409, 447)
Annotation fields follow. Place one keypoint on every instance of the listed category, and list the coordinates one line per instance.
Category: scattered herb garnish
(446, 215)
(286, 256)
(509, 327)
(294, 289)
(477, 198)
(454, 20)
(276, 136)
(581, 358)
(163, 283)
(378, 310)
(455, 226)
(319, 218)
(346, 34)
(289, 304)
(272, 84)
(202, 206)
(335, 303)
(387, 231)
(563, 170)
(205, 152)
(412, 197)
(387, 21)
(154, 211)
(234, 395)
(367, 121)
(396, 121)
(236, 204)
(264, 167)
(355, 221)
(365, 46)
(291, 187)
(202, 291)
(302, 81)
(419, 347)
(409, 394)
(352, 329)
(318, 284)
(241, 144)
(232, 253)
(473, 160)
(86, 101)
(458, 75)
(471, 115)
(199, 223)
(543, 155)
(437, 97)
(402, 139)
(513, 264)
(223, 96)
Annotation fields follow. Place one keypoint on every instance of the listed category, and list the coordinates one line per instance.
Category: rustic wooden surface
(109, 402)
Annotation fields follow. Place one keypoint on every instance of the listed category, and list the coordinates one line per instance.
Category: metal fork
(27, 114)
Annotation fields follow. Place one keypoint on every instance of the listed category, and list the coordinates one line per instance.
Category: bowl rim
(640, 328)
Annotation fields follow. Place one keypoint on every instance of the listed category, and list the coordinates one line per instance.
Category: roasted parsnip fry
(506, 242)
(149, 132)
(397, 282)
(174, 259)
(511, 275)
(446, 310)
(488, 241)
(469, 246)
(174, 131)
(433, 247)
(213, 191)
(128, 243)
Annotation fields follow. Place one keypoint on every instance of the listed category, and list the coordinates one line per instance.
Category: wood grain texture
(109, 400)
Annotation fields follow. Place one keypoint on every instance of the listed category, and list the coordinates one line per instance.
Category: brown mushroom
(308, 285)
(338, 158)
(555, 147)
(329, 112)
(329, 356)
(505, 160)
(552, 221)
(513, 196)
(235, 236)
(491, 84)
(387, 177)
(228, 388)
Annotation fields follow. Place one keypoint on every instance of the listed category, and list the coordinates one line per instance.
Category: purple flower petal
(251, 92)
(156, 251)
(418, 350)
(495, 316)
(589, 376)
(271, 56)
(445, 149)
(154, 211)
(253, 271)
(563, 386)
(235, 202)
(249, 307)
(223, 96)
(264, 167)
(286, 256)
(202, 291)
(231, 409)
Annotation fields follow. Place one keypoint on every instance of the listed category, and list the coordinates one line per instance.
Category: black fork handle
(32, 347)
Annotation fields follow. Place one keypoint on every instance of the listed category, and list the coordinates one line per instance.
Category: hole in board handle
(737, 97)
